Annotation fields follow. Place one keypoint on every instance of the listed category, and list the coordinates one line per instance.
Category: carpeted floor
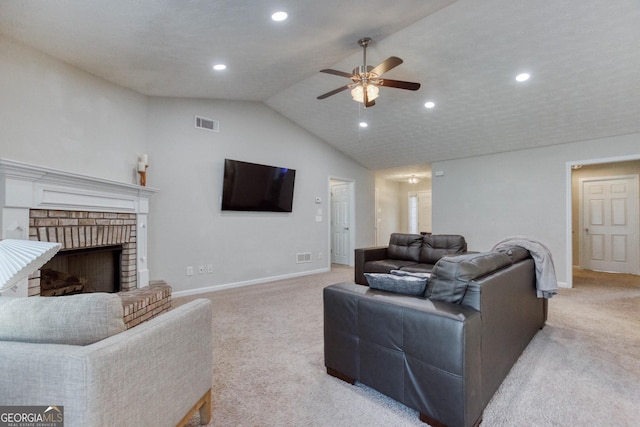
(582, 369)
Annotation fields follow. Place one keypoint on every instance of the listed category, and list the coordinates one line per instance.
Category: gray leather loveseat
(446, 353)
(408, 252)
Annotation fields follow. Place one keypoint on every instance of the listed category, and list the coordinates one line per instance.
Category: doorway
(342, 222)
(609, 227)
(420, 212)
(592, 202)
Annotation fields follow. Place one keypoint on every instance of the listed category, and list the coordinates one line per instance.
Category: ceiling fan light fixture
(357, 93)
(413, 179)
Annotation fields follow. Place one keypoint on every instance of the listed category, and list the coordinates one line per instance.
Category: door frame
(352, 218)
(568, 207)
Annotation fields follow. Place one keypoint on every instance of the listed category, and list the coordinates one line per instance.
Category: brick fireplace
(82, 231)
(77, 211)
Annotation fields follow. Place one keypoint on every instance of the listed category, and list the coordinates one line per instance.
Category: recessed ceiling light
(523, 77)
(219, 67)
(429, 104)
(363, 124)
(279, 16)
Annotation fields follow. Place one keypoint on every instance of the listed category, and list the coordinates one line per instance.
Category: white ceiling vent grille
(207, 124)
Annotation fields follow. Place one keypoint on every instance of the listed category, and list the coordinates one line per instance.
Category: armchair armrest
(363, 255)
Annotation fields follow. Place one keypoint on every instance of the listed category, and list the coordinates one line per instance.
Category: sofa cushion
(404, 246)
(417, 268)
(451, 275)
(385, 265)
(435, 246)
(75, 319)
(405, 284)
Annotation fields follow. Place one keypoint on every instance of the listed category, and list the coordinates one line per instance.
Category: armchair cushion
(451, 275)
(75, 319)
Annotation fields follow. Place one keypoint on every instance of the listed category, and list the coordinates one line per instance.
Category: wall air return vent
(207, 124)
(303, 257)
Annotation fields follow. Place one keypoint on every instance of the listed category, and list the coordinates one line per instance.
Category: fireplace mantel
(24, 187)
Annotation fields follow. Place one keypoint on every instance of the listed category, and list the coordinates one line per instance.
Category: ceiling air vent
(207, 124)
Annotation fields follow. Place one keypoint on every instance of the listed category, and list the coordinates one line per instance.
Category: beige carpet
(582, 369)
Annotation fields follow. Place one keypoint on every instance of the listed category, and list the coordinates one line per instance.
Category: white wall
(522, 193)
(54, 115)
(186, 223)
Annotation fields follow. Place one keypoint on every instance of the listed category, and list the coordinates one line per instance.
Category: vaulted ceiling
(583, 57)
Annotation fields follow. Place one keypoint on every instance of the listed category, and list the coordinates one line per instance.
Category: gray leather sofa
(444, 354)
(408, 252)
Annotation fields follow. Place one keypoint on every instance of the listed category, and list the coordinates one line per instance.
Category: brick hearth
(145, 303)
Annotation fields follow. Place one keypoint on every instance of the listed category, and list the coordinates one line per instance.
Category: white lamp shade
(357, 93)
(20, 258)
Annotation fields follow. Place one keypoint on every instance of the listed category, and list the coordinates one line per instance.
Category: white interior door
(424, 211)
(340, 223)
(610, 224)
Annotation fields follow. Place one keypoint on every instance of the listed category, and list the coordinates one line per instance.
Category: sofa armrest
(423, 353)
(364, 255)
(153, 373)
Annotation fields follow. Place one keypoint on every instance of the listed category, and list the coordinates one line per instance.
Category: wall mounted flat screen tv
(254, 187)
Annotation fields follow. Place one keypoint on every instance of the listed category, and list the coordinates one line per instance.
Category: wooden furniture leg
(204, 406)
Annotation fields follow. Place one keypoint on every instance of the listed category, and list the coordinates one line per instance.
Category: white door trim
(352, 218)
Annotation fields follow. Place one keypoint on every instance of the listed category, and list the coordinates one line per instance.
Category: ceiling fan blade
(399, 84)
(337, 73)
(365, 99)
(386, 65)
(333, 92)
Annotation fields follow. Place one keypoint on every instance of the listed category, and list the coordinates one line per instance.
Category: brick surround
(145, 303)
(83, 230)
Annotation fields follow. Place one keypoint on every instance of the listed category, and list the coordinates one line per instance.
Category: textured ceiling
(583, 55)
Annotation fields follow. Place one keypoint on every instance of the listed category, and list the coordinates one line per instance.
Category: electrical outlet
(189, 271)
(201, 269)
(210, 268)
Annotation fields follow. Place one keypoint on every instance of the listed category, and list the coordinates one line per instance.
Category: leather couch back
(404, 246)
(435, 246)
(451, 276)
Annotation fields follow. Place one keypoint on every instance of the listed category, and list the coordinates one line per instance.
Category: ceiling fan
(366, 79)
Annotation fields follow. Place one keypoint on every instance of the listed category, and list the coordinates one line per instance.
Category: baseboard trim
(222, 287)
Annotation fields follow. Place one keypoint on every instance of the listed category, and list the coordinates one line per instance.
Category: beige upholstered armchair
(74, 352)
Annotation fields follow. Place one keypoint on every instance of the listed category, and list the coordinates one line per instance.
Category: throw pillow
(410, 273)
(74, 319)
(409, 285)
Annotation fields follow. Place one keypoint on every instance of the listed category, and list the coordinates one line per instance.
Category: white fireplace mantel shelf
(24, 186)
(37, 187)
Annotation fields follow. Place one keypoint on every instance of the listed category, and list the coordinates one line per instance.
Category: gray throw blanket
(546, 282)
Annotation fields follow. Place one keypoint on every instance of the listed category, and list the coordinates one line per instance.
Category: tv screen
(253, 187)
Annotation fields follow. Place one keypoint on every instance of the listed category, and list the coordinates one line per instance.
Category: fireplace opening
(81, 271)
